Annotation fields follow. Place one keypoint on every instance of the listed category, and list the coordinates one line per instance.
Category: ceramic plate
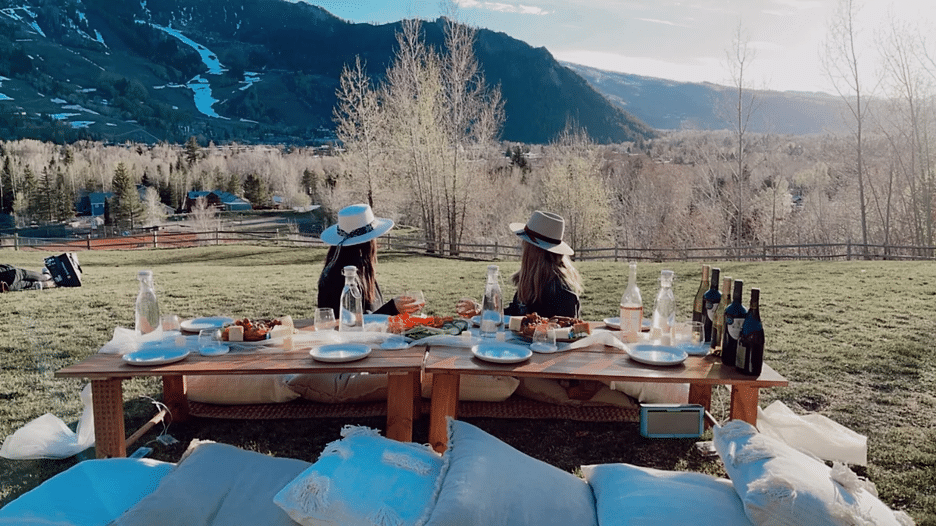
(499, 352)
(156, 356)
(656, 354)
(613, 323)
(215, 350)
(695, 349)
(544, 348)
(376, 318)
(271, 342)
(213, 322)
(395, 343)
(340, 352)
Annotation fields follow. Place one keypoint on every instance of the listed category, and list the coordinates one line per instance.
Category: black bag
(65, 269)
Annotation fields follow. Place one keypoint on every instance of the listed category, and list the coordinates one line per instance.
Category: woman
(354, 242)
(547, 283)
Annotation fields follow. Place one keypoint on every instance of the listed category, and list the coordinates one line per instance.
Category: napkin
(605, 338)
(127, 341)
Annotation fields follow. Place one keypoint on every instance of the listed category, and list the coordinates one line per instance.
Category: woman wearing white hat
(547, 283)
(353, 241)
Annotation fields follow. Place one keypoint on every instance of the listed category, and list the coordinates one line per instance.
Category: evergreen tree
(234, 185)
(64, 198)
(44, 199)
(128, 206)
(257, 192)
(7, 190)
(29, 190)
(192, 151)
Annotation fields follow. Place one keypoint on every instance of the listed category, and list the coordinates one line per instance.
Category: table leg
(444, 404)
(400, 406)
(175, 398)
(107, 405)
(702, 395)
(744, 403)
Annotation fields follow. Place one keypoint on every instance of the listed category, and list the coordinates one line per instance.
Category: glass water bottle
(664, 310)
(147, 308)
(351, 317)
(631, 308)
(492, 306)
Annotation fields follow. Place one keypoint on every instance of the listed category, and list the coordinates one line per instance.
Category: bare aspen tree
(744, 104)
(843, 66)
(357, 120)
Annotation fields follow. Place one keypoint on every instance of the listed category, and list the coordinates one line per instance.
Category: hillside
(670, 105)
(242, 70)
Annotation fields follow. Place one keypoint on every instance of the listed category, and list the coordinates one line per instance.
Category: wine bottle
(749, 358)
(712, 297)
(631, 308)
(698, 305)
(718, 321)
(734, 319)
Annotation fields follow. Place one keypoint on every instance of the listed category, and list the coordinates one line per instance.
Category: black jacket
(329, 294)
(557, 300)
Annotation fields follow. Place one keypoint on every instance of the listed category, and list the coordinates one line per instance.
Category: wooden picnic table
(596, 362)
(108, 371)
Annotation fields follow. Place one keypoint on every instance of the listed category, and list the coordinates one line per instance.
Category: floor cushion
(218, 485)
(365, 479)
(782, 486)
(477, 387)
(487, 482)
(239, 389)
(564, 392)
(333, 388)
(628, 494)
(93, 492)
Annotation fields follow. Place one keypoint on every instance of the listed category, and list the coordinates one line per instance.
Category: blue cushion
(93, 492)
(489, 483)
(365, 479)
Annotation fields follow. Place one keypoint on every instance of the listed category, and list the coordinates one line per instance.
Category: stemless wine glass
(210, 343)
(544, 338)
(325, 319)
(418, 300)
(170, 322)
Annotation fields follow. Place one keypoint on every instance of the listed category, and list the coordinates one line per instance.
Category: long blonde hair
(538, 267)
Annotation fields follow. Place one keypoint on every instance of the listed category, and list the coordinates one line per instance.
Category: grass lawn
(854, 338)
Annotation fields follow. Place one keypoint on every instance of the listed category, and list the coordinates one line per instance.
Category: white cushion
(781, 486)
(93, 492)
(488, 483)
(217, 485)
(477, 387)
(654, 392)
(332, 388)
(553, 391)
(239, 389)
(365, 479)
(629, 494)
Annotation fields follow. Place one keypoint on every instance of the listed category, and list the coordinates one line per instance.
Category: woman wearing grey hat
(353, 241)
(547, 283)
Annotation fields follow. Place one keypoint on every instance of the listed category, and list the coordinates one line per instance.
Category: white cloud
(502, 8)
(664, 22)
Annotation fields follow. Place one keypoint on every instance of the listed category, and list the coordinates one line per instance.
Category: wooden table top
(599, 362)
(99, 366)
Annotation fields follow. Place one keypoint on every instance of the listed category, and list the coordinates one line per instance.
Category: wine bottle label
(710, 310)
(741, 356)
(734, 326)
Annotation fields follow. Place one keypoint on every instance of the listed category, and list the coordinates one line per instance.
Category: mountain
(670, 105)
(242, 70)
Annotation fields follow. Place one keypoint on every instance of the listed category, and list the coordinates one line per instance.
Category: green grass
(855, 339)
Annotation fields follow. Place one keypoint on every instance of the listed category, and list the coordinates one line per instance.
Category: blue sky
(674, 39)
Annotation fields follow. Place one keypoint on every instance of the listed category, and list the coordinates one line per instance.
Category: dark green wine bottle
(749, 358)
(712, 297)
(735, 314)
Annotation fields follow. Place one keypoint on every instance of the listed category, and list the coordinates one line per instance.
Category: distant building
(221, 200)
(93, 204)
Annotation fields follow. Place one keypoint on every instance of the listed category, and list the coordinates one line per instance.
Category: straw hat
(356, 225)
(544, 229)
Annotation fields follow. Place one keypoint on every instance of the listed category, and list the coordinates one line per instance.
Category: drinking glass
(210, 343)
(544, 337)
(170, 322)
(325, 319)
(695, 332)
(417, 300)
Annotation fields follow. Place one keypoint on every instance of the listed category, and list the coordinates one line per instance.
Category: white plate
(216, 350)
(614, 323)
(156, 356)
(340, 352)
(376, 318)
(499, 352)
(695, 349)
(395, 343)
(651, 354)
(212, 322)
(259, 343)
(544, 348)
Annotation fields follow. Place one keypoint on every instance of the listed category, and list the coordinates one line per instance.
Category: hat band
(534, 236)
(356, 232)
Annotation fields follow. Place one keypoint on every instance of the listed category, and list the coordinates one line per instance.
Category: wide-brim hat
(356, 225)
(545, 230)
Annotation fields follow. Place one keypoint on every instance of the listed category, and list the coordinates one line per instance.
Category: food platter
(500, 352)
(340, 352)
(211, 322)
(529, 339)
(652, 354)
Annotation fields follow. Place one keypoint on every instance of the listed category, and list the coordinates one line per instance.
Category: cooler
(65, 269)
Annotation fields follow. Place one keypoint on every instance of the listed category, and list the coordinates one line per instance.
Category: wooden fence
(474, 251)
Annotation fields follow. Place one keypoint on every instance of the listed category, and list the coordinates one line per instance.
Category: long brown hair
(538, 267)
(364, 257)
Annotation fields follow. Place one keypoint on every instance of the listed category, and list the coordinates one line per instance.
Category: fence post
(848, 251)
(89, 241)
(496, 249)
(15, 241)
(155, 240)
(615, 252)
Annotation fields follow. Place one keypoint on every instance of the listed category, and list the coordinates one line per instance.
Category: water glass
(170, 322)
(544, 337)
(695, 332)
(417, 299)
(325, 319)
(210, 343)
